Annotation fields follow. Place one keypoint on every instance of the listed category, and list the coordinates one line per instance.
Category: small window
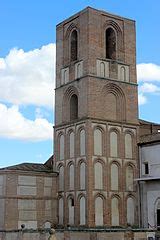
(146, 168)
(110, 44)
(72, 202)
(73, 107)
(74, 46)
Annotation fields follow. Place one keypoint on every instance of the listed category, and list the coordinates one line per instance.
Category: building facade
(96, 120)
(27, 197)
(149, 181)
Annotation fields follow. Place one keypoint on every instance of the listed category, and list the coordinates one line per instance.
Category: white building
(149, 181)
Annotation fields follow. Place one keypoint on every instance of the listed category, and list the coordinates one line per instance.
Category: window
(74, 45)
(146, 168)
(74, 107)
(110, 44)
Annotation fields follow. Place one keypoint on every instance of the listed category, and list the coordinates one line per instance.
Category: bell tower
(96, 120)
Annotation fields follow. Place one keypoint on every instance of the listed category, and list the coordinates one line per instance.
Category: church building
(94, 180)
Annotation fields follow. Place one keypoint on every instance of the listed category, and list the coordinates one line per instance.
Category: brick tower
(96, 120)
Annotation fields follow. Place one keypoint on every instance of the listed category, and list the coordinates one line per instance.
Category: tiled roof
(150, 138)
(36, 167)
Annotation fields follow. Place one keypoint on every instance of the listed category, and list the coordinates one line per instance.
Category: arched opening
(82, 142)
(74, 45)
(82, 211)
(130, 211)
(115, 211)
(82, 175)
(61, 178)
(123, 74)
(110, 44)
(71, 177)
(129, 178)
(60, 211)
(61, 147)
(114, 177)
(71, 145)
(128, 146)
(98, 142)
(74, 107)
(98, 175)
(99, 211)
(71, 211)
(113, 144)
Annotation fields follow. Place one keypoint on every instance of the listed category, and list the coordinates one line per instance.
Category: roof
(150, 139)
(147, 179)
(144, 122)
(36, 167)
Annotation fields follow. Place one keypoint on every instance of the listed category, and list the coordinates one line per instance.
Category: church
(100, 180)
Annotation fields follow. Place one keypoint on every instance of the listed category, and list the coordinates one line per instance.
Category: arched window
(71, 211)
(74, 45)
(99, 211)
(129, 178)
(110, 44)
(128, 146)
(113, 144)
(102, 69)
(61, 147)
(82, 142)
(82, 175)
(115, 211)
(61, 178)
(74, 107)
(71, 145)
(98, 175)
(60, 211)
(82, 211)
(123, 74)
(71, 177)
(98, 142)
(114, 177)
(130, 211)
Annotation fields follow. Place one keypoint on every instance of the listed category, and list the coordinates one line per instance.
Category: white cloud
(149, 88)
(13, 125)
(28, 77)
(142, 99)
(148, 72)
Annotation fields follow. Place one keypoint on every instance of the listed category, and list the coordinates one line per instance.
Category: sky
(27, 69)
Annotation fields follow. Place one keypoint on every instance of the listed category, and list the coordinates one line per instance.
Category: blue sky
(27, 64)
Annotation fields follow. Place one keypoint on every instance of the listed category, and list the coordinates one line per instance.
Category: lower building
(149, 181)
(27, 196)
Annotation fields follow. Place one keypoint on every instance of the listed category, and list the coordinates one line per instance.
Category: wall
(77, 235)
(27, 198)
